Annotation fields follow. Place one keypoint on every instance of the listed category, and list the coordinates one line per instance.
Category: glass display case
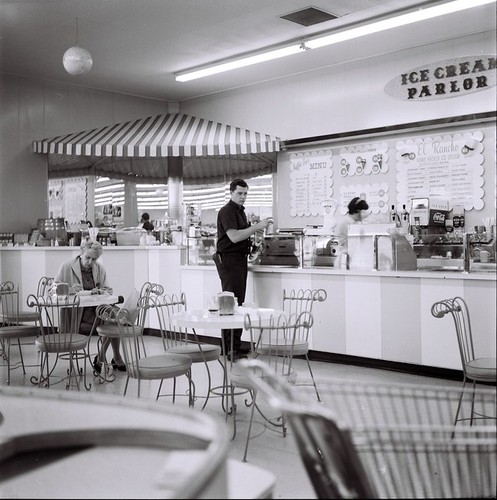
(469, 252)
(200, 250)
(480, 250)
(439, 251)
(426, 251)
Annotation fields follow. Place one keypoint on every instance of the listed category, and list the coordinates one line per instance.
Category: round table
(202, 318)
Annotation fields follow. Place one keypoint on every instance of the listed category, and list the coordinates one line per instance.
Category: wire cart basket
(368, 440)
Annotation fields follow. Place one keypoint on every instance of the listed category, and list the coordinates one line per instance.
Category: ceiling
(138, 45)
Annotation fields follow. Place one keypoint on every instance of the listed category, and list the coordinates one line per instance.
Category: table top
(201, 318)
(105, 436)
(87, 300)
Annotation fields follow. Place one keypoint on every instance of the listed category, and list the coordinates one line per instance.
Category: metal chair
(107, 328)
(139, 366)
(10, 326)
(475, 369)
(176, 340)
(295, 302)
(23, 316)
(60, 316)
(385, 440)
(272, 341)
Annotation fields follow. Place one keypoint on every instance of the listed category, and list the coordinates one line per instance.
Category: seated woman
(85, 273)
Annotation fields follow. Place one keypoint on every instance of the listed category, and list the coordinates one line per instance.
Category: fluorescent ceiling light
(395, 22)
(240, 63)
(367, 29)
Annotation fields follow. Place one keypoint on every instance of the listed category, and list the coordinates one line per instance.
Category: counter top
(30, 248)
(451, 275)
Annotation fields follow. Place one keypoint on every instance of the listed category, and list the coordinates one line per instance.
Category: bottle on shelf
(404, 220)
(394, 217)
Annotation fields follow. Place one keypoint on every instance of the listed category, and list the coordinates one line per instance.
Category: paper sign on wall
(447, 167)
(67, 199)
(365, 159)
(311, 181)
(376, 196)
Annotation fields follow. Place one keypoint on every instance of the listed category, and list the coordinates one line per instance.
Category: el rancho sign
(450, 78)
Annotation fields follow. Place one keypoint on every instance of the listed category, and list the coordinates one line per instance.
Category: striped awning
(159, 137)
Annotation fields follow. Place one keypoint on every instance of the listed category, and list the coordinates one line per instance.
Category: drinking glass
(212, 305)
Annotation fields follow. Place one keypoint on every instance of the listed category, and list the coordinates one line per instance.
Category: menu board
(67, 199)
(364, 159)
(311, 181)
(448, 167)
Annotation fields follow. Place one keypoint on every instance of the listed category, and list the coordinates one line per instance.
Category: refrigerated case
(440, 251)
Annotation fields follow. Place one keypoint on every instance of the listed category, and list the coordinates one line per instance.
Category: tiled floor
(268, 448)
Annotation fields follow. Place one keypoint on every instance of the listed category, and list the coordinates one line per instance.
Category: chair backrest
(9, 304)
(458, 309)
(386, 440)
(44, 285)
(165, 306)
(273, 338)
(327, 451)
(60, 318)
(107, 313)
(131, 341)
(151, 289)
(297, 301)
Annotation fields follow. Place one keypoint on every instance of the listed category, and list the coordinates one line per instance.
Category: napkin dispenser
(59, 291)
(226, 301)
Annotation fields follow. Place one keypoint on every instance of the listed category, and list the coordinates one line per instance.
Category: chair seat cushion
(164, 366)
(209, 352)
(18, 331)
(482, 369)
(112, 330)
(300, 348)
(22, 316)
(67, 342)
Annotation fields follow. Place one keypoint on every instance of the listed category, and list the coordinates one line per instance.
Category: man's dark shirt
(232, 216)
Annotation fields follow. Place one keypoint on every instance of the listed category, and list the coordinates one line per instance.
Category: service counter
(382, 315)
(127, 267)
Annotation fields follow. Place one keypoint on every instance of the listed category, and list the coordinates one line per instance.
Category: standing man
(233, 247)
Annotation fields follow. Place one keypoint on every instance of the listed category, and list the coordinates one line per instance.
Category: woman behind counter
(357, 211)
(147, 225)
(85, 273)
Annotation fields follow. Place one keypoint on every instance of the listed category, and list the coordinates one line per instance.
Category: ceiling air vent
(309, 16)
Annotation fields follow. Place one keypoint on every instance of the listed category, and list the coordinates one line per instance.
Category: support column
(175, 188)
(130, 204)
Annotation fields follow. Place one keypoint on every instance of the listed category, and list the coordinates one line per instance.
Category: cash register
(280, 250)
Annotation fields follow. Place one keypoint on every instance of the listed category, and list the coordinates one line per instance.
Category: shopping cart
(388, 441)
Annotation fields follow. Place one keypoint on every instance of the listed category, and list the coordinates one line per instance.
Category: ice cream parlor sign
(450, 78)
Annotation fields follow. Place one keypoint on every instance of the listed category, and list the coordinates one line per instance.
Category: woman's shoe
(121, 368)
(97, 365)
